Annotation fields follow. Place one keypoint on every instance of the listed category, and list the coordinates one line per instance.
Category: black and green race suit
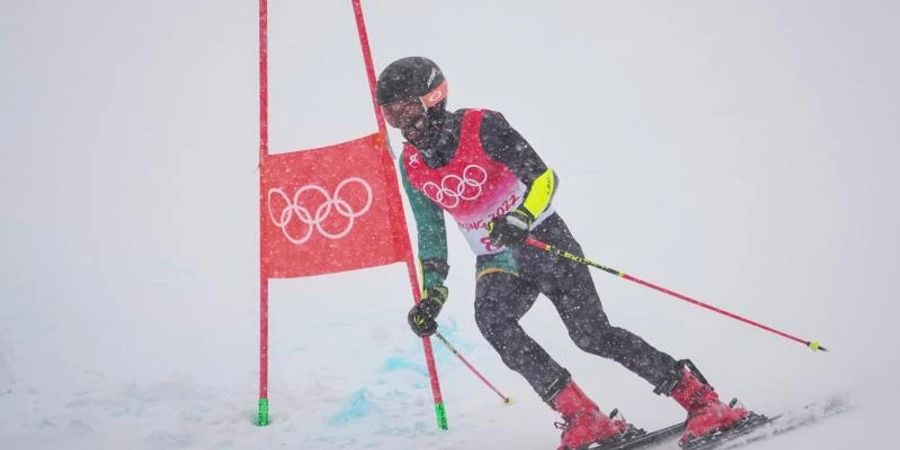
(509, 282)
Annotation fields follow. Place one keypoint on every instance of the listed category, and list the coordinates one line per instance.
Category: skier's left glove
(511, 228)
(422, 317)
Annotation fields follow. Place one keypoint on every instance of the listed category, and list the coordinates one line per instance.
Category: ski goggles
(403, 113)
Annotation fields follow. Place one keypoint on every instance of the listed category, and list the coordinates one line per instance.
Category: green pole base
(441, 413)
(262, 417)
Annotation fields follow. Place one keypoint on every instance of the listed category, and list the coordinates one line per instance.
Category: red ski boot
(583, 422)
(706, 414)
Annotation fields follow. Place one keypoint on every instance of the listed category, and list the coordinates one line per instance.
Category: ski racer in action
(473, 165)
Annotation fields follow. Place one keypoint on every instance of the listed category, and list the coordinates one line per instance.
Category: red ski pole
(813, 345)
(471, 367)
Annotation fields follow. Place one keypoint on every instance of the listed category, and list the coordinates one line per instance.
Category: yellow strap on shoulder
(540, 193)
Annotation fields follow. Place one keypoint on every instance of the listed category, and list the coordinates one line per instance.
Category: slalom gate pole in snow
(471, 367)
(813, 345)
(440, 410)
(262, 415)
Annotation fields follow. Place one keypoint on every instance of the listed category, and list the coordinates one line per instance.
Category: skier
(472, 164)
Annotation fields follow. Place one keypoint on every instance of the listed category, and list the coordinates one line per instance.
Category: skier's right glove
(422, 317)
(511, 228)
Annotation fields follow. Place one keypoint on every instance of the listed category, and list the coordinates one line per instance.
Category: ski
(740, 429)
(638, 438)
(786, 422)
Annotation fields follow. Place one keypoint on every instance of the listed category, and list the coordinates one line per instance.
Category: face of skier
(409, 116)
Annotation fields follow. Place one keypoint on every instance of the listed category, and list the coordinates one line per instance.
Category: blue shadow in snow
(360, 405)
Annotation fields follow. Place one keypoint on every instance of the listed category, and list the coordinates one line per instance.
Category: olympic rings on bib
(454, 188)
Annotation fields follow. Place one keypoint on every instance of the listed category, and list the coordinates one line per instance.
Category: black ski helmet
(412, 77)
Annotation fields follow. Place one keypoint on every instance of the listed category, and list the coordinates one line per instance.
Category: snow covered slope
(743, 153)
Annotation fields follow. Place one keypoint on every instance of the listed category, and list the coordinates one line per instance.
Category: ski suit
(478, 167)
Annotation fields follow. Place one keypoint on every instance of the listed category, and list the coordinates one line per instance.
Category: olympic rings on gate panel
(314, 220)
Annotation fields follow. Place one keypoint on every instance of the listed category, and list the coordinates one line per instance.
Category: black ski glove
(422, 317)
(511, 228)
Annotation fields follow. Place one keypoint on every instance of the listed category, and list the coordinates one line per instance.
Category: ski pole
(813, 345)
(472, 368)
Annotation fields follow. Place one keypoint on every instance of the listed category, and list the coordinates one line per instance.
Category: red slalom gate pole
(262, 416)
(440, 410)
(471, 367)
(813, 345)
